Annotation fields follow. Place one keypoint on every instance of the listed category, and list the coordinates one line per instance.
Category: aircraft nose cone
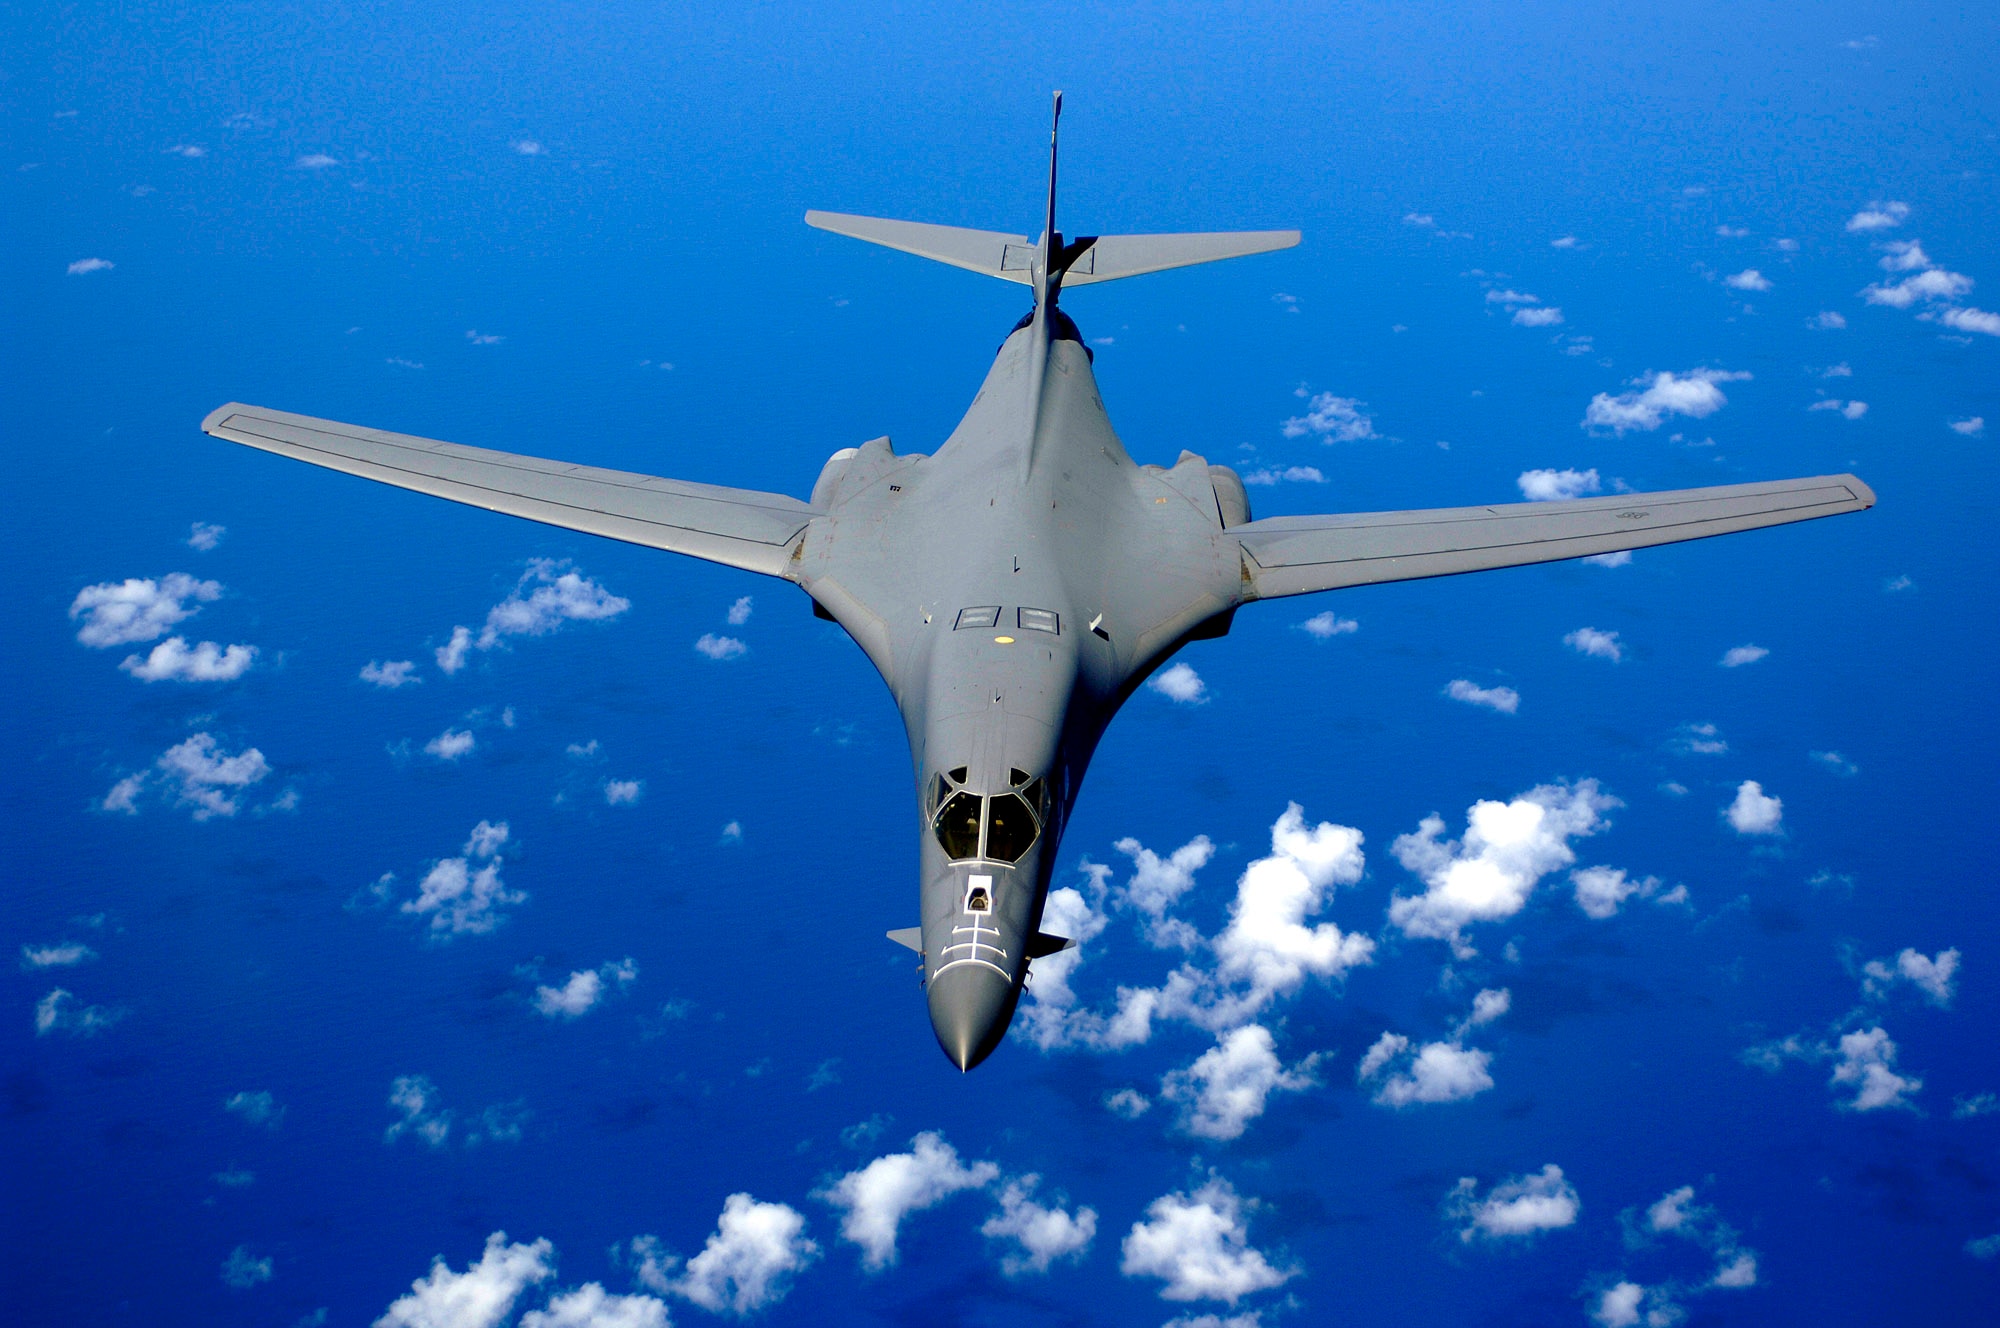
(970, 1005)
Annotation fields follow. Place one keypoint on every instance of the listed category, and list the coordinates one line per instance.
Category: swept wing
(738, 527)
(1294, 555)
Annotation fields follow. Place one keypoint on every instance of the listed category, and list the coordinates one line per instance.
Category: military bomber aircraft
(1017, 586)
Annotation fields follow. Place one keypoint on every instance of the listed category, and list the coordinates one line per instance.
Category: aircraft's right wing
(1295, 555)
(739, 527)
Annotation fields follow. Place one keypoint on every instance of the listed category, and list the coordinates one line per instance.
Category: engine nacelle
(828, 482)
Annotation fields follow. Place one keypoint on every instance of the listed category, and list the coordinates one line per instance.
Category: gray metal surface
(1014, 588)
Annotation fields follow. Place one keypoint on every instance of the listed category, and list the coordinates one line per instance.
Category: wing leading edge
(738, 527)
(1295, 555)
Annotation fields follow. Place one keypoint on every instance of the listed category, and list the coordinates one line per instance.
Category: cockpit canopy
(999, 826)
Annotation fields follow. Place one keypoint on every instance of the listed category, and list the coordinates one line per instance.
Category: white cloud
(1984, 1247)
(1267, 946)
(739, 612)
(1504, 699)
(732, 833)
(559, 595)
(1334, 419)
(1851, 410)
(1896, 584)
(1523, 1206)
(1754, 812)
(584, 989)
(117, 612)
(1548, 316)
(1693, 394)
(1737, 656)
(1878, 217)
(480, 1297)
(83, 267)
(205, 535)
(202, 775)
(243, 1270)
(1905, 256)
(1127, 1103)
(390, 674)
(1545, 486)
(1598, 645)
(1699, 740)
(1041, 1234)
(451, 655)
(1601, 891)
(1268, 475)
(748, 1263)
(1226, 1087)
(623, 792)
(61, 955)
(1618, 1306)
(1836, 763)
(461, 901)
(451, 744)
(720, 647)
(315, 161)
(1198, 1244)
(1972, 320)
(1434, 1072)
(1930, 284)
(1930, 975)
(1621, 558)
(1749, 279)
(478, 338)
(1050, 1018)
(1325, 626)
(1971, 427)
(1866, 1058)
(1507, 848)
(174, 660)
(1158, 883)
(1563, 242)
(1826, 321)
(877, 1197)
(1419, 219)
(417, 1098)
(1180, 684)
(1510, 298)
(60, 1012)
(527, 147)
(259, 1108)
(591, 1306)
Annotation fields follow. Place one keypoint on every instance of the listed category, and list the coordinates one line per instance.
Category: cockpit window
(1010, 827)
(1017, 777)
(957, 776)
(958, 827)
(1035, 793)
(939, 791)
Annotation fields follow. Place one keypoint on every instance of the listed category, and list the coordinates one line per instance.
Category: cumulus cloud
(1519, 1208)
(1510, 298)
(1158, 883)
(460, 899)
(480, 1297)
(1434, 1072)
(315, 161)
(1970, 427)
(1041, 1234)
(196, 774)
(1826, 321)
(1866, 1062)
(739, 612)
(1932, 975)
(1749, 279)
(1699, 740)
(61, 955)
(1332, 419)
(61, 1012)
(1180, 684)
(1930, 284)
(1050, 1017)
(1269, 475)
(549, 594)
(591, 1306)
(1754, 812)
(1971, 320)
(1621, 558)
(243, 1270)
(260, 1108)
(390, 674)
(1598, 645)
(1198, 1245)
(1227, 1085)
(175, 660)
(1602, 891)
(1880, 216)
(1676, 1216)
(1546, 486)
(720, 647)
(527, 147)
(115, 613)
(451, 744)
(1737, 656)
(83, 267)
(1504, 699)
(1508, 847)
(451, 655)
(205, 535)
(585, 988)
(1693, 394)
(1325, 626)
(876, 1198)
(1127, 1103)
(1849, 410)
(747, 1265)
(1547, 316)
(623, 792)
(1618, 1306)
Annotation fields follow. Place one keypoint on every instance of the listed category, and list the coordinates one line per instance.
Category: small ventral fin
(913, 937)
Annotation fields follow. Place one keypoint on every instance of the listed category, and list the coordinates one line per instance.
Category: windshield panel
(1010, 827)
(958, 827)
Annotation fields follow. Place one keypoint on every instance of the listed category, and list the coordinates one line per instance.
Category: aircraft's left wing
(739, 527)
(1294, 555)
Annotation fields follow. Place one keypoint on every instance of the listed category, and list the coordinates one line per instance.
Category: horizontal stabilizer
(1012, 257)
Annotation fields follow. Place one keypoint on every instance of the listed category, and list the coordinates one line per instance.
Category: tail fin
(1086, 259)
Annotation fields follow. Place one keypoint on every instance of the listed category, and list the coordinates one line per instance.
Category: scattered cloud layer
(1198, 1245)
(1516, 1209)
(1548, 486)
(1693, 394)
(876, 1198)
(390, 674)
(1598, 645)
(1226, 1087)
(464, 895)
(585, 988)
(116, 613)
(1040, 1234)
(1331, 419)
(1504, 699)
(549, 594)
(747, 1264)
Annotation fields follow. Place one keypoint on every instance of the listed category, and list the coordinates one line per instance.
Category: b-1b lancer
(1017, 586)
